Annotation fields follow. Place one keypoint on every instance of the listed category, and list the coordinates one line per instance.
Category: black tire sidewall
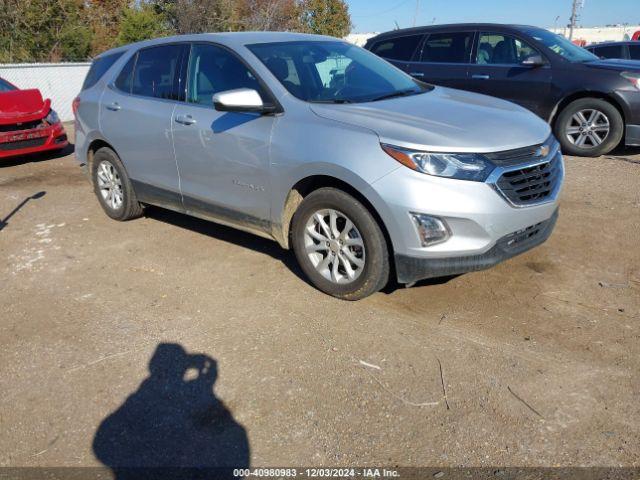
(125, 211)
(376, 271)
(616, 123)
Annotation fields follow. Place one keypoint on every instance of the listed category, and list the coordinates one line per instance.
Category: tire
(350, 264)
(108, 174)
(576, 115)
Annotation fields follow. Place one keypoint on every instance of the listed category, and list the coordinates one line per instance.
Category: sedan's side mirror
(240, 100)
(534, 61)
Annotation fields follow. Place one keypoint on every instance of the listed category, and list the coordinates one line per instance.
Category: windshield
(5, 86)
(334, 72)
(561, 45)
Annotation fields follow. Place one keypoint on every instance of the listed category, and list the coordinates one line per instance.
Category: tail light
(75, 105)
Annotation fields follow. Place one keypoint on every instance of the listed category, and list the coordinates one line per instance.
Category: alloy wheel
(588, 128)
(334, 246)
(110, 185)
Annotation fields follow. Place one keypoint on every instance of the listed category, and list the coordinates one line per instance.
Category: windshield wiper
(334, 100)
(399, 93)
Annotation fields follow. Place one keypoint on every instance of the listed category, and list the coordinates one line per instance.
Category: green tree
(140, 24)
(325, 17)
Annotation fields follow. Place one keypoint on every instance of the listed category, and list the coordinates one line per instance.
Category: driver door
(223, 157)
(497, 70)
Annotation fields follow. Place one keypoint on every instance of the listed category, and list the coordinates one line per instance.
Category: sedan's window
(213, 69)
(634, 52)
(155, 72)
(5, 86)
(399, 48)
(498, 49)
(609, 51)
(334, 72)
(447, 48)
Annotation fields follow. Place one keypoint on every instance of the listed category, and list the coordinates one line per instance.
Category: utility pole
(415, 16)
(577, 4)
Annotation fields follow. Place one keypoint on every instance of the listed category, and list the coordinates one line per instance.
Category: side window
(610, 51)
(5, 87)
(634, 52)
(213, 69)
(156, 71)
(98, 68)
(498, 49)
(448, 47)
(124, 81)
(399, 48)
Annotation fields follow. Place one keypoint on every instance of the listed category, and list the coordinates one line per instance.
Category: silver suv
(322, 146)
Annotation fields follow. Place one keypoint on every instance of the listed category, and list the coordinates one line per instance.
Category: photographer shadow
(173, 426)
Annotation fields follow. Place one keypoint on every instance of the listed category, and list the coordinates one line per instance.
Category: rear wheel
(339, 245)
(589, 127)
(113, 187)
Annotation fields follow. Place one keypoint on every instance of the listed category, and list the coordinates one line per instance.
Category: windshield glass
(334, 72)
(6, 87)
(561, 45)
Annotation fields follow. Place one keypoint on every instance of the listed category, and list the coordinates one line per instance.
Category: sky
(379, 15)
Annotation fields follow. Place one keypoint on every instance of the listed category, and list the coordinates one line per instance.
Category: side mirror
(534, 61)
(240, 100)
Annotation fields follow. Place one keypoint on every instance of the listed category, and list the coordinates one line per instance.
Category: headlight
(52, 118)
(633, 77)
(463, 166)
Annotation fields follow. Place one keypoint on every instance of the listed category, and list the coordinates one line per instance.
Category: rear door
(135, 116)
(498, 70)
(443, 59)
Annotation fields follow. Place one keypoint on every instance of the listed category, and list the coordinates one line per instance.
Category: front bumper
(410, 269)
(32, 141)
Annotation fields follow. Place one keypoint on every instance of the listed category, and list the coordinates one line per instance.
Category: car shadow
(5, 221)
(228, 235)
(37, 157)
(173, 425)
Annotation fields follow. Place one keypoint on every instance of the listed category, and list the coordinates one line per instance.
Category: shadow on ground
(173, 426)
(37, 157)
(5, 221)
(229, 235)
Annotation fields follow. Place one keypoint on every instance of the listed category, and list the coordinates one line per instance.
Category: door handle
(113, 106)
(185, 119)
(417, 74)
(480, 77)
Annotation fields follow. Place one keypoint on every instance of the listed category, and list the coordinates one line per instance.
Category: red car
(28, 124)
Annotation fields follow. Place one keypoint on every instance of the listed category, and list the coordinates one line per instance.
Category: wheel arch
(562, 104)
(311, 183)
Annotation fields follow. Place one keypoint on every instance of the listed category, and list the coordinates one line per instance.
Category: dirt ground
(533, 363)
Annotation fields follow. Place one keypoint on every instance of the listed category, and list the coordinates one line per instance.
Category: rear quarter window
(99, 67)
(6, 86)
(634, 51)
(399, 48)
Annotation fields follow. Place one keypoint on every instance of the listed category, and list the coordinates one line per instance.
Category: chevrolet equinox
(322, 146)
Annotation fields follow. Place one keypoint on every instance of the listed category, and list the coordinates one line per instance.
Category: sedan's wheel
(589, 127)
(339, 245)
(113, 187)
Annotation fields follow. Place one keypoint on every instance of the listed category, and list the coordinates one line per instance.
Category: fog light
(431, 230)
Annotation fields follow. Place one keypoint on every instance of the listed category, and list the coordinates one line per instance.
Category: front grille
(17, 127)
(32, 142)
(513, 157)
(530, 185)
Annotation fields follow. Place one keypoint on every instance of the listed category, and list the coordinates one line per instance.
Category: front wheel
(589, 127)
(339, 245)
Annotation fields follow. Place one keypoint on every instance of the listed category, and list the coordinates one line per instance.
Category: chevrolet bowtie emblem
(543, 151)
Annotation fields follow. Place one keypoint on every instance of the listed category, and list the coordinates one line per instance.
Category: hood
(616, 64)
(444, 120)
(22, 106)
